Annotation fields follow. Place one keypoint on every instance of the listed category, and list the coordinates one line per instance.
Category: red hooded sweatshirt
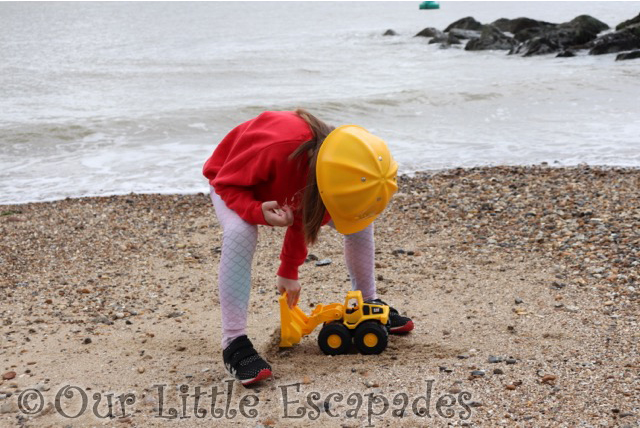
(251, 165)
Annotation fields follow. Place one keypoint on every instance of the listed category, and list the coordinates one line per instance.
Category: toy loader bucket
(294, 324)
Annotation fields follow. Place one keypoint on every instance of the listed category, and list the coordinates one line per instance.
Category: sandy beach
(523, 283)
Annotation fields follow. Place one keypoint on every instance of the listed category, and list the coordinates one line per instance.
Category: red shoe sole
(264, 374)
(404, 329)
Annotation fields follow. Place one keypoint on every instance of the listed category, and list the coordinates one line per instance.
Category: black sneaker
(243, 362)
(397, 323)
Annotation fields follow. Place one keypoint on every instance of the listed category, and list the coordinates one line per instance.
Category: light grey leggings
(239, 240)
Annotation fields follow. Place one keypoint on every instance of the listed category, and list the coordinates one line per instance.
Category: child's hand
(292, 287)
(276, 215)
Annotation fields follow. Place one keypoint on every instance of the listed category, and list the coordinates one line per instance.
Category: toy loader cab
(364, 324)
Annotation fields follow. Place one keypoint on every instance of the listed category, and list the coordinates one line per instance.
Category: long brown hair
(313, 209)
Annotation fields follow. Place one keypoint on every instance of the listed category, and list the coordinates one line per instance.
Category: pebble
(371, 384)
(493, 359)
(86, 341)
(511, 360)
(9, 375)
(498, 371)
(463, 356)
(323, 262)
(518, 301)
(141, 370)
(478, 373)
(548, 378)
(175, 314)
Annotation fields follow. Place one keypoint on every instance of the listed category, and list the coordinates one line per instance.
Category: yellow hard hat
(356, 177)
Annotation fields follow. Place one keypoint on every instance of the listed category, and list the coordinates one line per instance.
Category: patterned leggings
(239, 240)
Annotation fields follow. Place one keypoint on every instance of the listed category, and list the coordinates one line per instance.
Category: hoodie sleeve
(294, 251)
(235, 180)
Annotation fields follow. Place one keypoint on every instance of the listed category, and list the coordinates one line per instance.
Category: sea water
(112, 98)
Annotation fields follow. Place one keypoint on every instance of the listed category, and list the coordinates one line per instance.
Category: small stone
(478, 373)
(511, 387)
(181, 348)
(9, 375)
(312, 257)
(43, 387)
(306, 380)
(175, 314)
(493, 359)
(455, 390)
(370, 384)
(518, 301)
(86, 341)
(463, 356)
(475, 404)
(498, 371)
(548, 378)
(445, 369)
(141, 370)
(511, 360)
(398, 251)
(323, 262)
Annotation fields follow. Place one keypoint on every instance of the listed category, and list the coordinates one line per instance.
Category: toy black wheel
(371, 337)
(334, 339)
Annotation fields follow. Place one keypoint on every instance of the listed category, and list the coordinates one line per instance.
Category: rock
(370, 384)
(624, 40)
(478, 373)
(9, 375)
(498, 371)
(141, 370)
(548, 378)
(86, 341)
(446, 40)
(323, 262)
(468, 23)
(101, 319)
(43, 387)
(175, 314)
(463, 356)
(518, 301)
(493, 359)
(491, 38)
(510, 360)
(628, 23)
(629, 55)
(181, 348)
(519, 25)
(445, 369)
(568, 53)
(430, 32)
(461, 34)
(390, 32)
(511, 387)
(549, 39)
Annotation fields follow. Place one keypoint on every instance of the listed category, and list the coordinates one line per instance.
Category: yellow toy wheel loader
(364, 324)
